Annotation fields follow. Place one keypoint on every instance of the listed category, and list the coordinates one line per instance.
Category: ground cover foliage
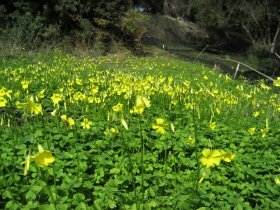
(135, 133)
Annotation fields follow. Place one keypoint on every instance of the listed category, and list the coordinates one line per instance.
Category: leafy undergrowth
(135, 133)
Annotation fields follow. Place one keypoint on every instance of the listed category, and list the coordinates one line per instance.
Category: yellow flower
(110, 132)
(211, 158)
(79, 81)
(30, 106)
(141, 103)
(68, 121)
(25, 84)
(43, 157)
(3, 102)
(137, 110)
(160, 126)
(212, 125)
(228, 156)
(277, 180)
(265, 87)
(53, 113)
(4, 92)
(79, 96)
(41, 94)
(86, 124)
(56, 98)
(252, 130)
(264, 132)
(118, 107)
(190, 140)
(256, 114)
(190, 105)
(276, 82)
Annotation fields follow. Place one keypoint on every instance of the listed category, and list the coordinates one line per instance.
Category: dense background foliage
(30, 23)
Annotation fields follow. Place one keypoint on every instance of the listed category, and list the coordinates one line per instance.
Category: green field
(135, 133)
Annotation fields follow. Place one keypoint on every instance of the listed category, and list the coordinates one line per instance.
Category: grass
(134, 133)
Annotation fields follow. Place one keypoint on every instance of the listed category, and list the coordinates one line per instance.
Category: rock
(168, 31)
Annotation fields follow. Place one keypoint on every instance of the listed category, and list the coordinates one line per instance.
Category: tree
(43, 19)
(258, 20)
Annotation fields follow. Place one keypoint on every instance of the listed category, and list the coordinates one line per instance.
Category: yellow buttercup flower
(4, 92)
(264, 132)
(211, 158)
(252, 131)
(30, 106)
(43, 157)
(190, 140)
(56, 98)
(212, 125)
(141, 103)
(86, 124)
(118, 107)
(256, 114)
(137, 110)
(110, 132)
(3, 101)
(265, 87)
(276, 82)
(277, 180)
(79, 81)
(228, 156)
(25, 84)
(68, 121)
(160, 126)
(41, 94)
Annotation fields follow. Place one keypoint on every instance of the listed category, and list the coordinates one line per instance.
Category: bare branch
(274, 39)
(249, 68)
(248, 33)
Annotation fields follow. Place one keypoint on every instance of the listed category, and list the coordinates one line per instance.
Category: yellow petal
(40, 148)
(206, 152)
(160, 121)
(27, 164)
(228, 157)
(207, 162)
(216, 153)
(63, 118)
(44, 158)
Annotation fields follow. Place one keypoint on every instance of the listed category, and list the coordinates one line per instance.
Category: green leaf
(82, 206)
(36, 188)
(7, 194)
(48, 207)
(30, 195)
(152, 204)
(11, 205)
(115, 171)
(112, 204)
(238, 207)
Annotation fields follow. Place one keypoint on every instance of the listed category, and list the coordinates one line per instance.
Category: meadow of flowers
(135, 133)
